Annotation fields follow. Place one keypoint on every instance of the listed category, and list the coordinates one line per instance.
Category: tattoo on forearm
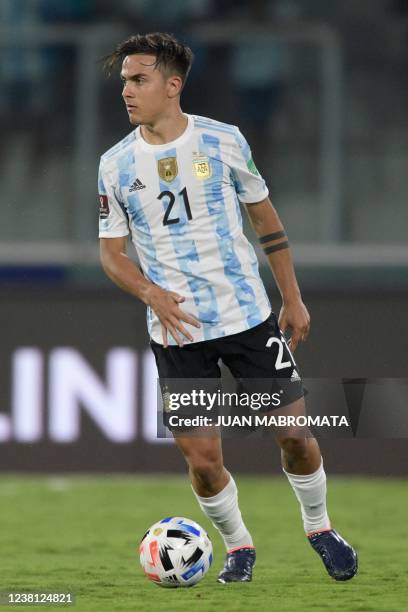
(276, 247)
(274, 236)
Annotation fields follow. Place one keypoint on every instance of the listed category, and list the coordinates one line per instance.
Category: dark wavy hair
(171, 55)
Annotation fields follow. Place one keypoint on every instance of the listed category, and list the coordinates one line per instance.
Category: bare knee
(294, 448)
(205, 462)
(206, 466)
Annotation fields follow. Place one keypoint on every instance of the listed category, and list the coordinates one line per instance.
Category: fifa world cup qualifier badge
(201, 167)
(103, 207)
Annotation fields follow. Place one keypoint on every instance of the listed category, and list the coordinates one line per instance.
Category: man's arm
(272, 236)
(126, 275)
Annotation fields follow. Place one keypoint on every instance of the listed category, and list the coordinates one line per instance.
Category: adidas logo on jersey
(137, 185)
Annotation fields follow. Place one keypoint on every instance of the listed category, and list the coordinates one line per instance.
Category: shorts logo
(167, 168)
(166, 399)
(202, 167)
(103, 206)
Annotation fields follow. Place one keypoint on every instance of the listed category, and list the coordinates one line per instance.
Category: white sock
(310, 489)
(223, 511)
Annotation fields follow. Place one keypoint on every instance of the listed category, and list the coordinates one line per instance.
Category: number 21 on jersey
(171, 200)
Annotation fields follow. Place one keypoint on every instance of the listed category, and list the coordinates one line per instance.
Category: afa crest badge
(202, 167)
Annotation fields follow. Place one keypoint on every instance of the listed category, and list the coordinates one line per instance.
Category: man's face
(145, 89)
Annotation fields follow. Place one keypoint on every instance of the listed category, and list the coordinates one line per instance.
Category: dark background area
(355, 334)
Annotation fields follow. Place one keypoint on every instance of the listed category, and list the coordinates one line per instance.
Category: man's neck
(166, 129)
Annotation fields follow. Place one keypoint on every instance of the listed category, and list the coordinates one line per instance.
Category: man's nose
(127, 91)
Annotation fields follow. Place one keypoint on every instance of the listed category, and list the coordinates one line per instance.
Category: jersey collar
(167, 145)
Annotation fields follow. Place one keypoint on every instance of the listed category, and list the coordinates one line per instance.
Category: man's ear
(174, 86)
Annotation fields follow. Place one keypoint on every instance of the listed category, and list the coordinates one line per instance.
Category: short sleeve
(113, 221)
(248, 183)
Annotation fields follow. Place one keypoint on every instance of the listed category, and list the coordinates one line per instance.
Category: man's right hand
(165, 305)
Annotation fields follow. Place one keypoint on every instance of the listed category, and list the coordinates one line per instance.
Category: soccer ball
(175, 552)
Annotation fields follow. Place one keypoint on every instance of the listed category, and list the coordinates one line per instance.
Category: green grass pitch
(82, 534)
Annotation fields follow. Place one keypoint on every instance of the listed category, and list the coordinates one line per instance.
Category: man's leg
(217, 495)
(214, 487)
(212, 484)
(303, 466)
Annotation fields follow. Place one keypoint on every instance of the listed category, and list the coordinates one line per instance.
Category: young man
(175, 183)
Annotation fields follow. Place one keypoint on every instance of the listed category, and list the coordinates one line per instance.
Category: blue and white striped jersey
(180, 203)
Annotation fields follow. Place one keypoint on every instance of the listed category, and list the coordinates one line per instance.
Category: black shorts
(258, 353)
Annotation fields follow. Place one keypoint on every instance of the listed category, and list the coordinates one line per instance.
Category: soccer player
(175, 184)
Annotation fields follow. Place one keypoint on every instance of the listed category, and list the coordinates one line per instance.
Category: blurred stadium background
(319, 89)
